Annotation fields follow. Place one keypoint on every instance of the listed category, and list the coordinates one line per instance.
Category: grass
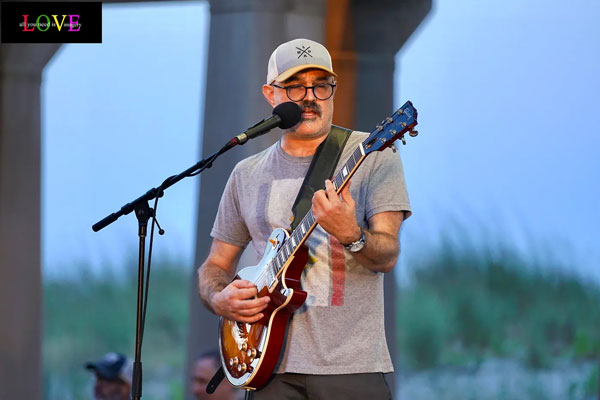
(89, 315)
(464, 306)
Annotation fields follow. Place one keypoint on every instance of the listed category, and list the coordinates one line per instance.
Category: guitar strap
(215, 380)
(322, 167)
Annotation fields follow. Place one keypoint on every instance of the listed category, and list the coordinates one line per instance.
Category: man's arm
(337, 216)
(234, 300)
(381, 242)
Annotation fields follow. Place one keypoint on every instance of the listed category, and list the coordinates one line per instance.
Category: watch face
(356, 247)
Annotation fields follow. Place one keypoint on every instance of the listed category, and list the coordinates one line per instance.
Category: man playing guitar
(336, 345)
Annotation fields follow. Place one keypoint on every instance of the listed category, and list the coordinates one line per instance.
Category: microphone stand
(143, 212)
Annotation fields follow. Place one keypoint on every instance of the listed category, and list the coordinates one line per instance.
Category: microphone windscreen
(290, 114)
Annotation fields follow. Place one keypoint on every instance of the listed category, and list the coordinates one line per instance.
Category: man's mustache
(311, 106)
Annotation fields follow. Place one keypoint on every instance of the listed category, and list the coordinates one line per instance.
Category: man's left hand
(337, 216)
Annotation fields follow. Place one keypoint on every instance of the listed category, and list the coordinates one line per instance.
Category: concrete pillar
(20, 276)
(363, 37)
(243, 33)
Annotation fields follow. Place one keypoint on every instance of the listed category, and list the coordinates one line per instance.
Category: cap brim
(102, 371)
(288, 74)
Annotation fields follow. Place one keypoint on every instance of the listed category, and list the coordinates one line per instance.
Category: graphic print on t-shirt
(325, 287)
(338, 272)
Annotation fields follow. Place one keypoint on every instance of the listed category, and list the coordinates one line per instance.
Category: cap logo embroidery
(304, 51)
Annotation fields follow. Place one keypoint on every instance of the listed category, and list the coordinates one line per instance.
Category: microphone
(284, 116)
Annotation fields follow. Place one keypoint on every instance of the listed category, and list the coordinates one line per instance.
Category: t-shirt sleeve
(386, 187)
(229, 224)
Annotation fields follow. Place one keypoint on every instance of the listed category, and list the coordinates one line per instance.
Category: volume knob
(251, 353)
(234, 361)
(242, 367)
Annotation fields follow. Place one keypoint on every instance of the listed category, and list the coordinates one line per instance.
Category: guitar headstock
(392, 128)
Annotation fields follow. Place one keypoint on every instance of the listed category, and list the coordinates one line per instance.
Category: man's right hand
(238, 302)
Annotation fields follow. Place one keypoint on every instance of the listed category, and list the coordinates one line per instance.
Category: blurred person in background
(113, 377)
(203, 370)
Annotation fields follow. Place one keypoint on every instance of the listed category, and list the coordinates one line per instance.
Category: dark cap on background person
(112, 367)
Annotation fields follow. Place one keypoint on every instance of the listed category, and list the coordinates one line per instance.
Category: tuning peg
(403, 140)
(413, 133)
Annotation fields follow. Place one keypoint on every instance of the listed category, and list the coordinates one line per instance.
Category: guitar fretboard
(308, 223)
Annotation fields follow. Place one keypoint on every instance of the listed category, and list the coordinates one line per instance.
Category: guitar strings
(260, 281)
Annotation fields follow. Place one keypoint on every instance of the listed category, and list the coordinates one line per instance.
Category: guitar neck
(391, 128)
(308, 223)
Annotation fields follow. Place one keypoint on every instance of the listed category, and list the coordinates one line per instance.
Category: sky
(118, 118)
(508, 147)
(507, 151)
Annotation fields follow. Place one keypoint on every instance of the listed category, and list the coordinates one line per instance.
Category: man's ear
(268, 92)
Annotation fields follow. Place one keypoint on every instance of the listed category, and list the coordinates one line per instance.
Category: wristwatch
(358, 245)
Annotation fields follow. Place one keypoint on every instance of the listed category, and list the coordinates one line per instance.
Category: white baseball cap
(297, 55)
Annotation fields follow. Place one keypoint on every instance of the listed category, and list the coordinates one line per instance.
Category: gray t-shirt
(340, 328)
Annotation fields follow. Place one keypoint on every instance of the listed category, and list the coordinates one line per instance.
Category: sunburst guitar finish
(250, 352)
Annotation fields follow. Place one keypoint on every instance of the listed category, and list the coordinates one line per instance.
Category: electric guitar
(250, 352)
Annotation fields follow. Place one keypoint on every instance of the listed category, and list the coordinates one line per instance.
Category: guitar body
(250, 352)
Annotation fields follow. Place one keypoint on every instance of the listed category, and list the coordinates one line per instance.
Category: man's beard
(316, 108)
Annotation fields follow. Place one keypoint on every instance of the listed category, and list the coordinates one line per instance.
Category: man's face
(316, 114)
(202, 372)
(110, 390)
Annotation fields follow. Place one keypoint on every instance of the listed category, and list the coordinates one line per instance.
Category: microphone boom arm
(285, 115)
